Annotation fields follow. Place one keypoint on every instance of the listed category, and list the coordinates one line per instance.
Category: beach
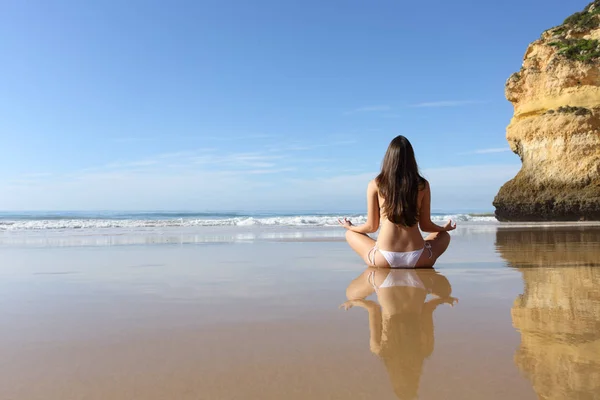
(183, 186)
(253, 312)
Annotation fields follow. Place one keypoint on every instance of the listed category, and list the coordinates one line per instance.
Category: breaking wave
(122, 221)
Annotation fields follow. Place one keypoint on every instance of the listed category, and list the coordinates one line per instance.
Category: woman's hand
(358, 303)
(450, 226)
(348, 305)
(345, 223)
(451, 300)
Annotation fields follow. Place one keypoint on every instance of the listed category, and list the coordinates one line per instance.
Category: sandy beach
(185, 190)
(259, 318)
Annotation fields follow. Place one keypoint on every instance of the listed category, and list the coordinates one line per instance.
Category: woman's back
(396, 237)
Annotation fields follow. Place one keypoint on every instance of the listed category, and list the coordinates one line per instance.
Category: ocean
(80, 220)
(112, 228)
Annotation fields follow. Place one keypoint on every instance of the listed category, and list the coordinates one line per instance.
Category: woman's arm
(372, 223)
(427, 337)
(425, 222)
(375, 321)
(431, 305)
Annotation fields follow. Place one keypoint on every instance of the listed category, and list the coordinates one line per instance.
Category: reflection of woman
(399, 201)
(401, 325)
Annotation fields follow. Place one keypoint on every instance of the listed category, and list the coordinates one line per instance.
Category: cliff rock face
(555, 129)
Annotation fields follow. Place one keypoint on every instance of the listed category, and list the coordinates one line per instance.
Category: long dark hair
(399, 182)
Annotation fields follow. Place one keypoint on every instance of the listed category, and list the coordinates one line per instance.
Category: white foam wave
(302, 220)
(464, 218)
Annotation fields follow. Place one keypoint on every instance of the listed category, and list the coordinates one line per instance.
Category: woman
(401, 325)
(399, 199)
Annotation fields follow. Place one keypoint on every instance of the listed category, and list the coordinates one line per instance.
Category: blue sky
(255, 105)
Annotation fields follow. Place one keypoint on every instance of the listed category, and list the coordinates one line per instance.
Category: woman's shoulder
(423, 184)
(373, 184)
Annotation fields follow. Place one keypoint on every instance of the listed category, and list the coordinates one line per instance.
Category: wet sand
(260, 320)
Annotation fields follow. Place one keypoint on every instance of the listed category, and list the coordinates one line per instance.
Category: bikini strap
(428, 247)
(371, 255)
(371, 280)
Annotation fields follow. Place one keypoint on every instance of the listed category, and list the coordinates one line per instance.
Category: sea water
(109, 228)
(76, 220)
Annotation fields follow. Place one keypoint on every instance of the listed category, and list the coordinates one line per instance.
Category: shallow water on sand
(260, 319)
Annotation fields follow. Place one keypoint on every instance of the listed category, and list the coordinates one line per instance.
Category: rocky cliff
(555, 129)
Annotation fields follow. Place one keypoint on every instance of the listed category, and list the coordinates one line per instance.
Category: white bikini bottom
(399, 259)
(398, 277)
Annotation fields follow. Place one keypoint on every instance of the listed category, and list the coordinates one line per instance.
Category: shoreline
(234, 234)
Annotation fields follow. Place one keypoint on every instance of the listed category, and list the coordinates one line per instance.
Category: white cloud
(446, 103)
(186, 180)
(263, 171)
(196, 137)
(370, 109)
(186, 153)
(303, 147)
(454, 188)
(34, 175)
(133, 139)
(261, 181)
(134, 191)
(392, 116)
(468, 187)
(237, 138)
(487, 151)
(141, 163)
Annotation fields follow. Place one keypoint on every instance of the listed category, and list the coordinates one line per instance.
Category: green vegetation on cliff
(585, 20)
(578, 49)
(586, 50)
(570, 110)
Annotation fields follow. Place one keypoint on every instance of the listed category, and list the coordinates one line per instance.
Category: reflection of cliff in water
(558, 314)
(558, 246)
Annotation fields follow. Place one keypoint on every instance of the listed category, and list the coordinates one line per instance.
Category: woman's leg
(439, 242)
(362, 245)
(360, 287)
